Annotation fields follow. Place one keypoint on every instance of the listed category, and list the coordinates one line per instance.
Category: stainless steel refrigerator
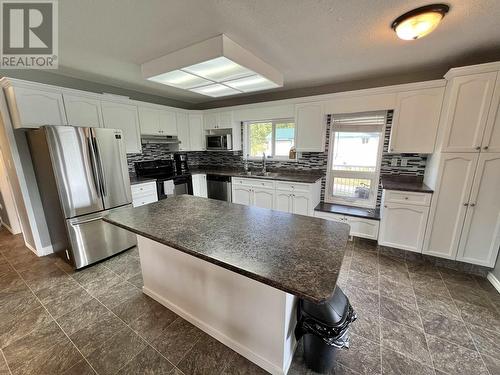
(82, 175)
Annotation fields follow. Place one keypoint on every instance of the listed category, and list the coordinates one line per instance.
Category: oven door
(215, 142)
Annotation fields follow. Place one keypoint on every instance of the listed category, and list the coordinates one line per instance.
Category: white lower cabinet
(200, 185)
(263, 197)
(144, 193)
(403, 225)
(297, 198)
(360, 227)
(480, 238)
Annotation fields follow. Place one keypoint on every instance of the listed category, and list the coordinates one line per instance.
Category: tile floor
(414, 318)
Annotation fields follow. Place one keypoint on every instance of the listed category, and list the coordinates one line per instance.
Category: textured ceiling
(312, 42)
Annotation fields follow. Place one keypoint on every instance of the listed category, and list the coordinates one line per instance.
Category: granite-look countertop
(298, 254)
(134, 179)
(292, 176)
(340, 209)
(405, 183)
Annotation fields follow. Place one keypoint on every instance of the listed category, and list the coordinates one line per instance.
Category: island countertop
(298, 254)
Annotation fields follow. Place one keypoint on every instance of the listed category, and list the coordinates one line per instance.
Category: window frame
(246, 138)
(373, 176)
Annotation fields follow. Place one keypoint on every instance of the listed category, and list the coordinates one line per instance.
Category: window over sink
(356, 142)
(274, 138)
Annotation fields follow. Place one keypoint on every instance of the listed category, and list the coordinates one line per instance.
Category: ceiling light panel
(219, 69)
(180, 79)
(253, 83)
(215, 90)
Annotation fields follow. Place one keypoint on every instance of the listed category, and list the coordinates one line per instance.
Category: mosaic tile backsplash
(308, 161)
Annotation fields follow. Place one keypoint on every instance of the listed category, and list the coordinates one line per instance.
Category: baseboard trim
(243, 350)
(494, 281)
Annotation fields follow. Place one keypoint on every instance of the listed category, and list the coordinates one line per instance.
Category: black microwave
(219, 142)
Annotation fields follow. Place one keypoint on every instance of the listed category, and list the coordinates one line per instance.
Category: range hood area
(168, 139)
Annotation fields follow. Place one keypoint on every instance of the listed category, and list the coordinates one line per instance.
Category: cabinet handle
(385, 206)
(406, 198)
(485, 147)
(466, 204)
(472, 204)
(478, 147)
(392, 148)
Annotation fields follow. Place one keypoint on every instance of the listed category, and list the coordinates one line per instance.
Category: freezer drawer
(92, 239)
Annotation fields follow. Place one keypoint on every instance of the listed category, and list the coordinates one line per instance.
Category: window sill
(272, 159)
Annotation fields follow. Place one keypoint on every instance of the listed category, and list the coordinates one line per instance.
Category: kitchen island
(236, 271)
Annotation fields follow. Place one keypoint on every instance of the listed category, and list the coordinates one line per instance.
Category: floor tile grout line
(465, 324)
(6, 363)
(137, 333)
(55, 321)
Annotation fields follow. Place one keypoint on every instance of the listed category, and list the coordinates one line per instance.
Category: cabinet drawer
(141, 200)
(407, 197)
(148, 187)
(253, 182)
(295, 186)
(332, 217)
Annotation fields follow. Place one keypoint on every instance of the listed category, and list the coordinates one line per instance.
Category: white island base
(252, 318)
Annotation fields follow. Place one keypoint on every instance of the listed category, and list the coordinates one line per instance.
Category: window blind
(362, 122)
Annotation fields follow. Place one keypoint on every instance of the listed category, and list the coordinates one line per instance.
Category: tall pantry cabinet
(464, 220)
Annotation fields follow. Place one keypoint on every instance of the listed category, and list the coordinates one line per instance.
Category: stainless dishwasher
(219, 187)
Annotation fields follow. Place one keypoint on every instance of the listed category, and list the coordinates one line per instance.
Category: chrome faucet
(264, 169)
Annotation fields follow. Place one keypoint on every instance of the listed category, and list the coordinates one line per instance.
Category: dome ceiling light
(215, 67)
(419, 22)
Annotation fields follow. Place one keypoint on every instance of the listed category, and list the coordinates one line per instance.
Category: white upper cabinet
(480, 239)
(196, 134)
(415, 122)
(168, 123)
(449, 204)
(83, 111)
(310, 127)
(182, 120)
(218, 120)
(149, 120)
(467, 106)
(32, 108)
(210, 120)
(156, 121)
(123, 116)
(491, 138)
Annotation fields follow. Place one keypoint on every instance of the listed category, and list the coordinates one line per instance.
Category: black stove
(163, 171)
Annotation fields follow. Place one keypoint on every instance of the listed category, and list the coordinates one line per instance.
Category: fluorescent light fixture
(215, 90)
(208, 65)
(180, 79)
(252, 83)
(219, 69)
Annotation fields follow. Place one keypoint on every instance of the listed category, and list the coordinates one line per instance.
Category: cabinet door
(403, 226)
(32, 108)
(416, 120)
(283, 200)
(363, 227)
(82, 111)
(200, 185)
(203, 186)
(196, 132)
(263, 197)
(491, 139)
(449, 204)
(480, 238)
(310, 127)
(467, 112)
(242, 195)
(301, 203)
(210, 120)
(124, 117)
(149, 119)
(183, 131)
(225, 120)
(168, 123)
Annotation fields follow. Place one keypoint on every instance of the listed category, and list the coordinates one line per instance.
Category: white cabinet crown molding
(472, 69)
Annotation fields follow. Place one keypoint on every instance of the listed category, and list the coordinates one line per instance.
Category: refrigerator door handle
(102, 177)
(95, 172)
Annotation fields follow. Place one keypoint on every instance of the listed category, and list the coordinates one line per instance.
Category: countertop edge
(227, 266)
(312, 180)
